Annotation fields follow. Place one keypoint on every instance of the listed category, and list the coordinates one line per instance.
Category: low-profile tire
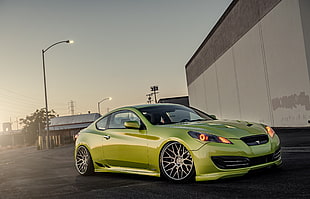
(176, 163)
(83, 162)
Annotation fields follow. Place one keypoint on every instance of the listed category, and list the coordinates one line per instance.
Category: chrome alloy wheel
(176, 162)
(83, 161)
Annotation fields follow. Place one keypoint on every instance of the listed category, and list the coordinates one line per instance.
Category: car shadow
(99, 181)
(110, 180)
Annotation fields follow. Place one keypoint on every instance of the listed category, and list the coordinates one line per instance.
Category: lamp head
(70, 41)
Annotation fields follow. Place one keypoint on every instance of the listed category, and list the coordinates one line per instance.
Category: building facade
(183, 100)
(66, 127)
(254, 64)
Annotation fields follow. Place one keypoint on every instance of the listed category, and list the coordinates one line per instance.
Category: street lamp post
(108, 98)
(45, 89)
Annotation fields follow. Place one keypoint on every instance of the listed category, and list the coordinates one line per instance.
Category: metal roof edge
(215, 27)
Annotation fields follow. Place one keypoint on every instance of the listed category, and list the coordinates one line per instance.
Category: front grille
(235, 162)
(255, 140)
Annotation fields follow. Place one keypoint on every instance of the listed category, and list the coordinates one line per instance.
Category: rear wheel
(83, 162)
(176, 162)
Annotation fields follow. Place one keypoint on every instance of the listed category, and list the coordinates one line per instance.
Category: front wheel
(83, 162)
(176, 163)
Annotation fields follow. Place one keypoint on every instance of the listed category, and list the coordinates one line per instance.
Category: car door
(123, 147)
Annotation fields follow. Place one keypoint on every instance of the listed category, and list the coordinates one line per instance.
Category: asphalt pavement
(31, 173)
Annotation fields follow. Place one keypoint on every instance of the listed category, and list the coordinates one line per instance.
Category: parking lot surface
(31, 173)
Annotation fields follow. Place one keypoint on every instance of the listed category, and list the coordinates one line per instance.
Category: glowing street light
(108, 98)
(45, 89)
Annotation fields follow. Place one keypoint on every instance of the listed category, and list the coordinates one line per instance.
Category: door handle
(106, 137)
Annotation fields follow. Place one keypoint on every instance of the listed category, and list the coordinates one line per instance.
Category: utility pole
(16, 123)
(154, 89)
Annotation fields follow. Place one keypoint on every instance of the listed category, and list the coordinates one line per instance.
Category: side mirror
(213, 117)
(132, 125)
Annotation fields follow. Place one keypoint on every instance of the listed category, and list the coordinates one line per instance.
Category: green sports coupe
(176, 142)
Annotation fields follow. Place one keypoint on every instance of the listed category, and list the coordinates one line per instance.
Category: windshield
(170, 114)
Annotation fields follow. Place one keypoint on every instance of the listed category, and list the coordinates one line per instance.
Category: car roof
(152, 105)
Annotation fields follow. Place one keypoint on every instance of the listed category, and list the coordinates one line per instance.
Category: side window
(133, 117)
(102, 124)
(119, 118)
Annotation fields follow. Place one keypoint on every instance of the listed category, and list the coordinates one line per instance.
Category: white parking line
(297, 149)
(6, 163)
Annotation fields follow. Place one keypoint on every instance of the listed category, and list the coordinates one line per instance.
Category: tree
(35, 123)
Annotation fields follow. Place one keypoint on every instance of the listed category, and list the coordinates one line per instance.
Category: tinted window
(169, 114)
(102, 124)
(119, 118)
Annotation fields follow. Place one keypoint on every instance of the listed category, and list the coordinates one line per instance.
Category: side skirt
(128, 170)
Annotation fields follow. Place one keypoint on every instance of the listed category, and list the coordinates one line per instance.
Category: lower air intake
(235, 162)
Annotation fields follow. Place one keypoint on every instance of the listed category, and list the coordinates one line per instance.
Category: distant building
(9, 137)
(7, 126)
(176, 100)
(255, 64)
(67, 126)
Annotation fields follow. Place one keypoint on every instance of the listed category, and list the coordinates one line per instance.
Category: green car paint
(130, 149)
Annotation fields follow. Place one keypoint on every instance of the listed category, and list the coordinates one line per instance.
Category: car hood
(223, 128)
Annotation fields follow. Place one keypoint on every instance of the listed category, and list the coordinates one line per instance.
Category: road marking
(297, 149)
(6, 163)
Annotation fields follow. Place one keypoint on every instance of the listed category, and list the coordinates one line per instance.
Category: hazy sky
(122, 47)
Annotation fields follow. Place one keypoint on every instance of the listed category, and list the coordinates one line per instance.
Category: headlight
(270, 131)
(208, 137)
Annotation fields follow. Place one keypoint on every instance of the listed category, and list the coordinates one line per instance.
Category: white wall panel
(212, 94)
(192, 94)
(252, 84)
(197, 93)
(286, 64)
(228, 86)
(200, 94)
(304, 6)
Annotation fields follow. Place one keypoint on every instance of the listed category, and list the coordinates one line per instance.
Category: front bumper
(214, 161)
(235, 172)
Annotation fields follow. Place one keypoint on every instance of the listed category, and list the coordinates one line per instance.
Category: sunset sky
(122, 47)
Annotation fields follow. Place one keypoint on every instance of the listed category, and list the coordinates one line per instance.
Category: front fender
(173, 135)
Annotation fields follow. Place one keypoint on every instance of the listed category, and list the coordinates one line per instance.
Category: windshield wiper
(186, 121)
(197, 120)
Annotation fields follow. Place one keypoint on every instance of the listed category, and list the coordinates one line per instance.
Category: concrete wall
(262, 77)
(304, 6)
(286, 64)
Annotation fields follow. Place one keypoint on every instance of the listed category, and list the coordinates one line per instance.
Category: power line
(21, 96)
